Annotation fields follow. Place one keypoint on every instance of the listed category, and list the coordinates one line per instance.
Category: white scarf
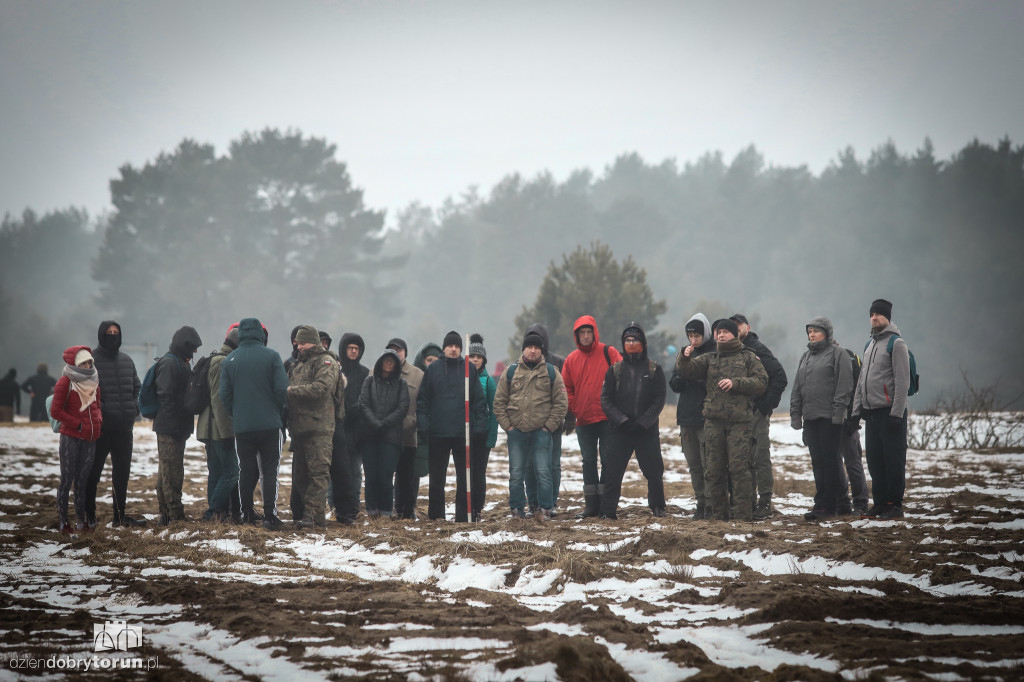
(85, 382)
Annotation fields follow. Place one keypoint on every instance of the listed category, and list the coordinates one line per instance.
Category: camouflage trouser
(764, 481)
(693, 449)
(170, 475)
(728, 448)
(311, 470)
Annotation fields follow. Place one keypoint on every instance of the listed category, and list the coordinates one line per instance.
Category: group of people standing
(401, 420)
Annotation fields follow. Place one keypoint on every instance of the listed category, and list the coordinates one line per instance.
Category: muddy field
(938, 595)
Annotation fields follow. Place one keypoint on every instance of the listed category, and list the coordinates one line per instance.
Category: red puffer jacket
(67, 406)
(583, 374)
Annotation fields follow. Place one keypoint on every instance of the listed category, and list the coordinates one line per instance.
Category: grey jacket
(884, 379)
(824, 381)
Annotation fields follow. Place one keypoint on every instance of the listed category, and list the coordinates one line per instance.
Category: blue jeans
(525, 447)
(592, 439)
(556, 472)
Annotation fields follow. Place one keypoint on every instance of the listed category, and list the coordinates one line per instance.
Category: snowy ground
(939, 595)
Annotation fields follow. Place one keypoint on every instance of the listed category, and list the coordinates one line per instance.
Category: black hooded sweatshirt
(639, 393)
(355, 373)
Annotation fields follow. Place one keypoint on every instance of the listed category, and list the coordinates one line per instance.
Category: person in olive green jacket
(733, 377)
(214, 429)
(312, 383)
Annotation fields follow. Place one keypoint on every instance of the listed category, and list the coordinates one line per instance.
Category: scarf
(818, 346)
(85, 382)
(729, 347)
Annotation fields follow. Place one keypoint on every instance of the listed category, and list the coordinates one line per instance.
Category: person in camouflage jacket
(311, 417)
(733, 377)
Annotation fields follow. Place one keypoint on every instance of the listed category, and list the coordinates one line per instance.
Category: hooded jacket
(638, 393)
(532, 401)
(384, 402)
(769, 399)
(67, 406)
(441, 403)
(690, 408)
(583, 372)
(253, 383)
(119, 380)
(355, 374)
(884, 379)
(312, 384)
(172, 375)
(731, 360)
(215, 422)
(824, 380)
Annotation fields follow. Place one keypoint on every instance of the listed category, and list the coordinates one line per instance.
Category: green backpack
(915, 380)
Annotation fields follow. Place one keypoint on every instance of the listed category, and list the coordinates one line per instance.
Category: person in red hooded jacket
(583, 373)
(76, 405)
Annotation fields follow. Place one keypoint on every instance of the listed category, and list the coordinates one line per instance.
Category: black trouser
(441, 449)
(886, 454)
(407, 483)
(118, 444)
(822, 438)
(620, 448)
(346, 505)
(259, 452)
(355, 469)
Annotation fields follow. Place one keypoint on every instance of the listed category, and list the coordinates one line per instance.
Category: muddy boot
(763, 509)
(699, 514)
(591, 501)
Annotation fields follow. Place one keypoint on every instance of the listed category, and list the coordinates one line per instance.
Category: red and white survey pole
(469, 485)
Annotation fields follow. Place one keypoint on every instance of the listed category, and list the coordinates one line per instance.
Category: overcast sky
(426, 98)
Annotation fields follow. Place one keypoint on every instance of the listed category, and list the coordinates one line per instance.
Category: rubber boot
(591, 501)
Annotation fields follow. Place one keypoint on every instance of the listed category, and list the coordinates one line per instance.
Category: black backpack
(197, 392)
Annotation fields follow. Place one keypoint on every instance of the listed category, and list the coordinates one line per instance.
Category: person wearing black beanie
(882, 307)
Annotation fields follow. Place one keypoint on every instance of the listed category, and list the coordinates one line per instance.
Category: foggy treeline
(276, 228)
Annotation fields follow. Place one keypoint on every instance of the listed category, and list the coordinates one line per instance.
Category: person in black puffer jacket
(119, 392)
(173, 424)
(383, 403)
(632, 398)
(351, 348)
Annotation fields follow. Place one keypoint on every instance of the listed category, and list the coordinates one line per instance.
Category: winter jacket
(690, 408)
(553, 358)
(884, 379)
(253, 383)
(215, 421)
(311, 387)
(583, 373)
(490, 388)
(119, 381)
(772, 395)
(532, 401)
(429, 348)
(729, 361)
(10, 392)
(172, 375)
(413, 377)
(824, 381)
(39, 386)
(384, 403)
(355, 374)
(637, 394)
(441, 403)
(66, 407)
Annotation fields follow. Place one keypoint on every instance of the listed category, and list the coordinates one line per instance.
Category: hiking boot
(762, 511)
(658, 512)
(871, 513)
(845, 510)
(860, 510)
(476, 517)
(133, 522)
(165, 520)
(891, 511)
(819, 515)
(66, 529)
(518, 514)
(272, 523)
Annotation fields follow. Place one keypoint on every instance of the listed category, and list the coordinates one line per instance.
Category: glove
(797, 424)
(570, 424)
(895, 424)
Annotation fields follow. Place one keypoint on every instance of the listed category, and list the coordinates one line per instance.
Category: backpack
(511, 372)
(54, 424)
(197, 391)
(915, 380)
(149, 403)
(616, 369)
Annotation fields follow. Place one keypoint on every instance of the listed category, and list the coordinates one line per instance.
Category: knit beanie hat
(882, 307)
(452, 338)
(476, 346)
(696, 327)
(532, 338)
(231, 338)
(398, 344)
(81, 356)
(726, 323)
(307, 334)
